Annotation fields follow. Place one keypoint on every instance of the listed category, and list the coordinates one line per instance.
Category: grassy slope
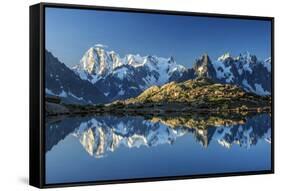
(200, 93)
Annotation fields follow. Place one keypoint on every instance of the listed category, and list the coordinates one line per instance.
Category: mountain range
(103, 76)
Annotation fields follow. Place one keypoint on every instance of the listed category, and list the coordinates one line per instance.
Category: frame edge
(35, 172)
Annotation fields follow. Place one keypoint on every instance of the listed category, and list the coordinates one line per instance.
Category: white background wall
(14, 38)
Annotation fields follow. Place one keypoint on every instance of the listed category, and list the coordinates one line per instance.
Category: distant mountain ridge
(115, 78)
(122, 78)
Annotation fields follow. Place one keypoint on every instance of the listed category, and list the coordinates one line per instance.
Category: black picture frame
(37, 121)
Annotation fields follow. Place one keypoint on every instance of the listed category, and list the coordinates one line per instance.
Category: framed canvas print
(126, 95)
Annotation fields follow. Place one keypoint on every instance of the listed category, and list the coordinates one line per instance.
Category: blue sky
(70, 32)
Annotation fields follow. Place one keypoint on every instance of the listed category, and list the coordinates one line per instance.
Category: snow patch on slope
(247, 85)
(267, 64)
(260, 91)
(121, 72)
(63, 94)
(222, 71)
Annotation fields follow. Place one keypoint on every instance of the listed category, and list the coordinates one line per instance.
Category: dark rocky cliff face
(63, 82)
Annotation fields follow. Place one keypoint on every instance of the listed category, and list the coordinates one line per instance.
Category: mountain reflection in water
(101, 135)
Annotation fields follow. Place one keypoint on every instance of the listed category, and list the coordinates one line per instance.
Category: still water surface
(94, 148)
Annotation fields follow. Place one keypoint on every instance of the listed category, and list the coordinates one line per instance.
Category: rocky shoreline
(178, 109)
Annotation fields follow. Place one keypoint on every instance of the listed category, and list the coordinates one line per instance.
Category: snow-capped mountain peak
(133, 60)
(247, 57)
(97, 62)
(224, 56)
(131, 74)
